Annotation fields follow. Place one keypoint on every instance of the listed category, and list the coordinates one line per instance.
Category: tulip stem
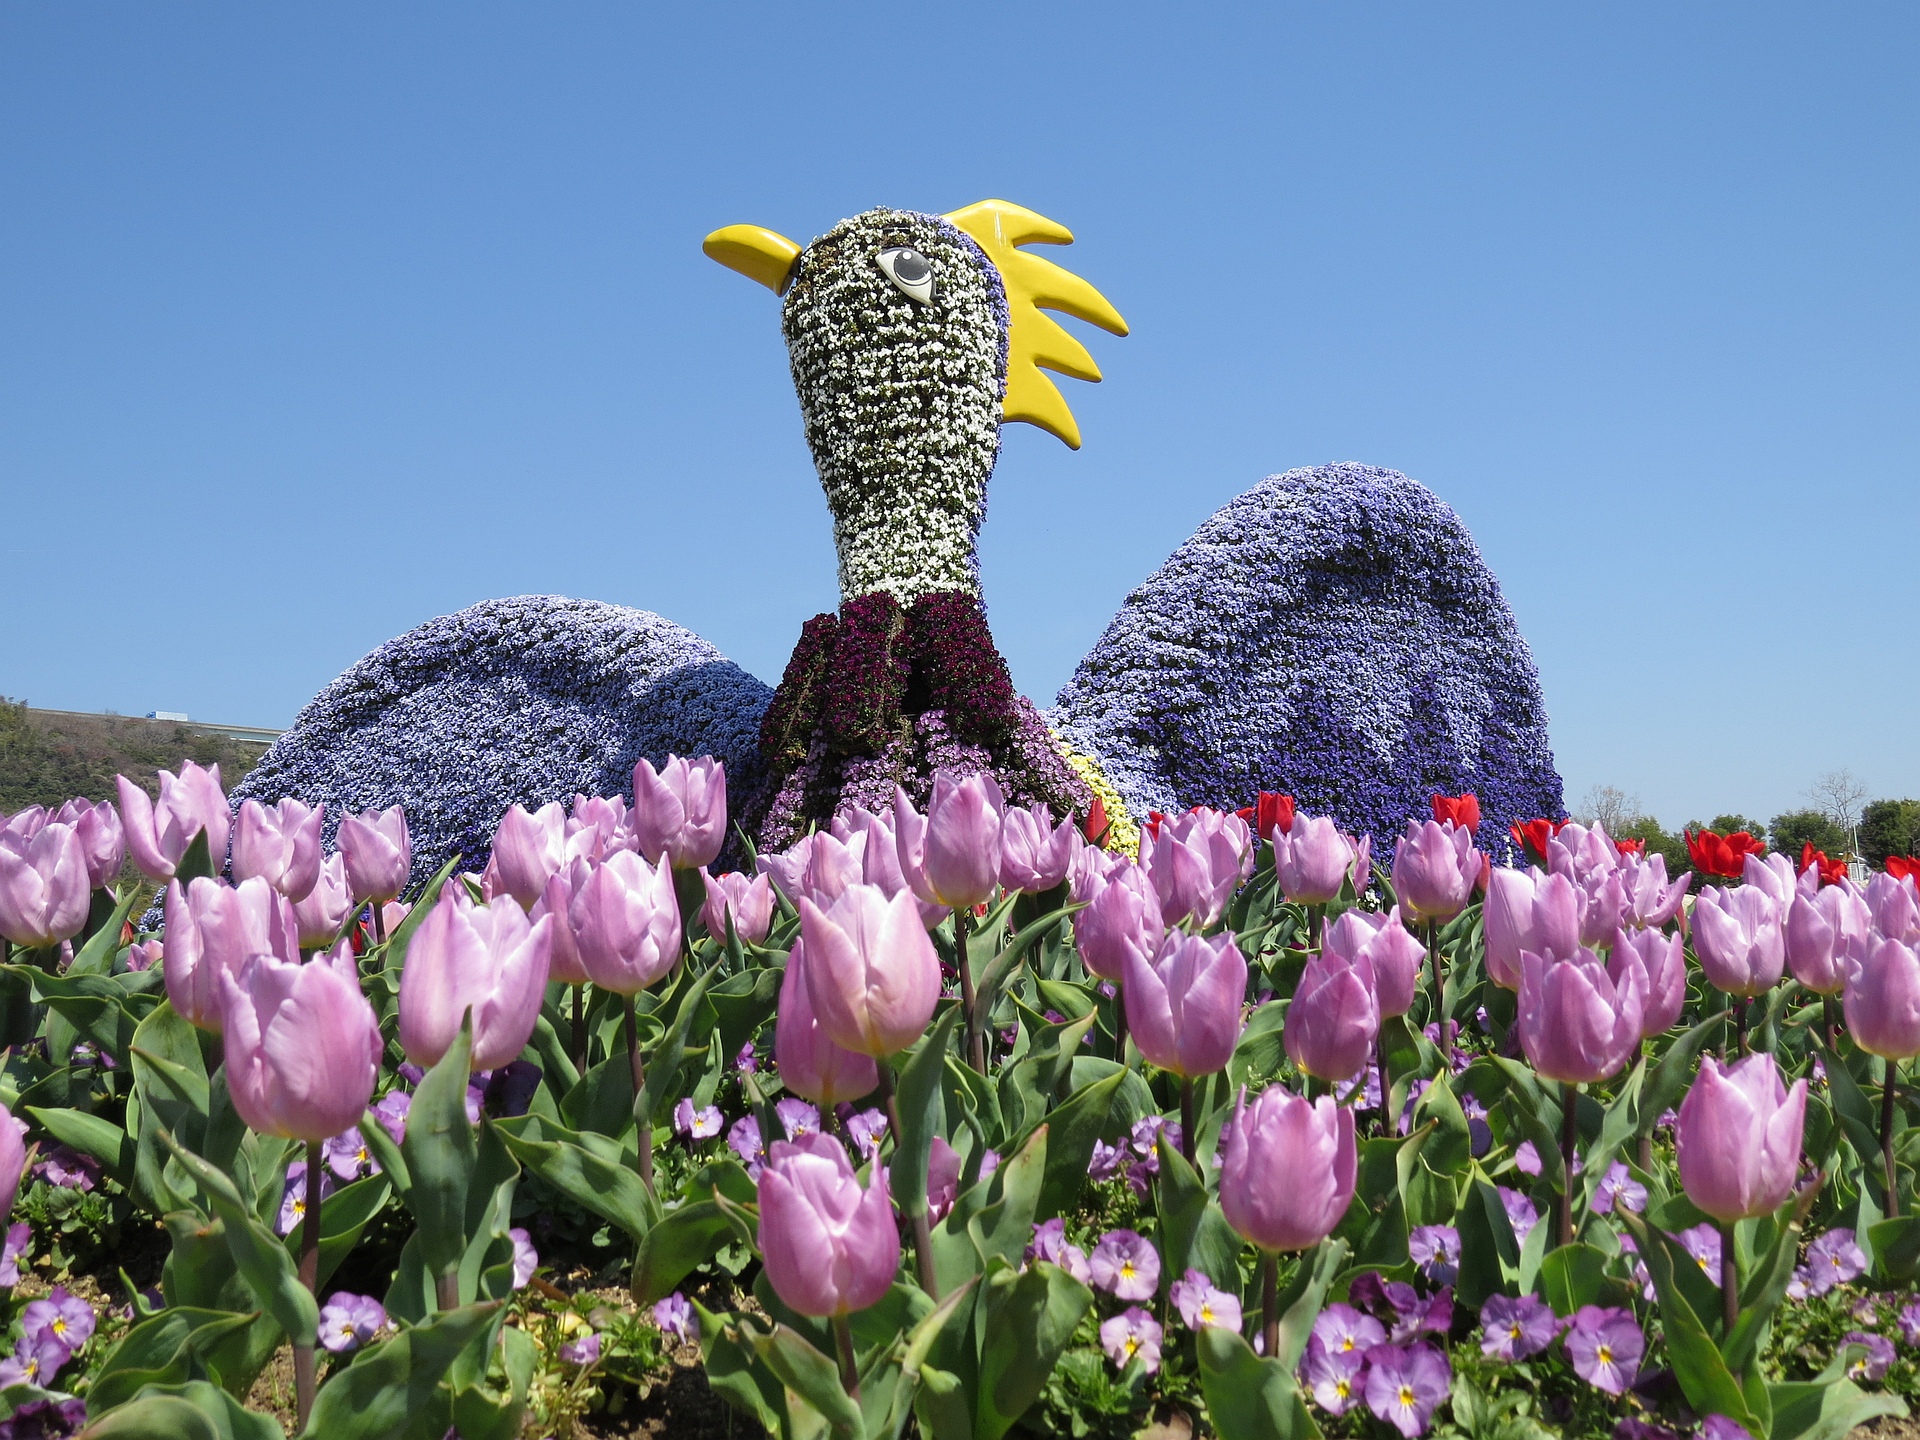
(1729, 1280)
(1740, 1024)
(1186, 1119)
(1386, 1087)
(1270, 1303)
(1439, 995)
(303, 1366)
(1826, 1020)
(1120, 1026)
(976, 1045)
(1887, 1089)
(1569, 1140)
(639, 1083)
(579, 1028)
(379, 922)
(922, 1231)
(849, 1367)
(1316, 918)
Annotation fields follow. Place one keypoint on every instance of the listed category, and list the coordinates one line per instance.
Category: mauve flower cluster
(522, 700)
(1334, 634)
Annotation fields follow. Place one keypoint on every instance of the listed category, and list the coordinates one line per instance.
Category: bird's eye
(908, 269)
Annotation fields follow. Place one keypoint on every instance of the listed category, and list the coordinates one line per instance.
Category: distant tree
(1838, 795)
(1789, 832)
(1889, 827)
(1658, 841)
(1612, 807)
(1729, 824)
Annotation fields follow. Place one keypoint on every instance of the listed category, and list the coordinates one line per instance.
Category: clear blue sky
(317, 321)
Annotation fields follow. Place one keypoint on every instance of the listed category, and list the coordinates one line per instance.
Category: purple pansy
(1132, 1334)
(348, 1321)
(798, 1117)
(526, 1259)
(674, 1315)
(1405, 1384)
(19, 1243)
(1335, 1378)
(1605, 1346)
(1833, 1259)
(744, 1140)
(1346, 1331)
(1202, 1303)
(1619, 1187)
(1876, 1362)
(1518, 1328)
(865, 1130)
(582, 1350)
(1436, 1250)
(1126, 1265)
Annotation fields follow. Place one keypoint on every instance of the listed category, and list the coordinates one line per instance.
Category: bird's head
(907, 319)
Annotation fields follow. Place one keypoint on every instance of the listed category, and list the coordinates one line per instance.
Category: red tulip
(1273, 812)
(1462, 810)
(1723, 855)
(1902, 866)
(1631, 847)
(1532, 837)
(1096, 825)
(1831, 872)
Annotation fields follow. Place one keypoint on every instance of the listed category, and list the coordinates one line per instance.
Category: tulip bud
(1738, 1140)
(13, 1160)
(1895, 903)
(951, 855)
(1288, 1171)
(1823, 929)
(1576, 1025)
(1334, 1017)
(555, 906)
(302, 1045)
(1312, 859)
(880, 862)
(1739, 938)
(1035, 853)
(212, 930)
(102, 839)
(810, 1063)
(1435, 868)
(626, 922)
(1183, 1005)
(829, 1247)
(528, 851)
(45, 892)
(1585, 855)
(680, 811)
(1662, 963)
(871, 971)
(280, 846)
(489, 960)
(378, 852)
(1527, 910)
(749, 902)
(833, 863)
(1882, 1000)
(1123, 919)
(788, 868)
(1387, 946)
(324, 910)
(158, 834)
(1649, 901)
(1196, 862)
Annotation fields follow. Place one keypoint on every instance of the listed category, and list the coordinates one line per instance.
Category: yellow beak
(756, 252)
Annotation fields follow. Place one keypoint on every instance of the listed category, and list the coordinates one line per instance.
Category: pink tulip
(302, 1044)
(748, 902)
(158, 835)
(1288, 1170)
(833, 863)
(1738, 935)
(1662, 963)
(211, 930)
(811, 1065)
(1585, 855)
(1774, 874)
(880, 860)
(1896, 907)
(1738, 1140)
(871, 971)
(1334, 1017)
(1034, 852)
(1435, 868)
(555, 906)
(379, 854)
(1823, 929)
(325, 908)
(951, 855)
(1882, 999)
(20, 828)
(1576, 1024)
(1527, 910)
(787, 869)
(1313, 859)
(45, 892)
(626, 922)
(1387, 946)
(13, 1160)
(1183, 1005)
(680, 811)
(1649, 900)
(1124, 919)
(1090, 869)
(280, 846)
(489, 960)
(597, 826)
(1196, 862)
(829, 1247)
(528, 851)
(102, 839)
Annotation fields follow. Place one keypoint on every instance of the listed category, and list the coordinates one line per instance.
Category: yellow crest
(1035, 341)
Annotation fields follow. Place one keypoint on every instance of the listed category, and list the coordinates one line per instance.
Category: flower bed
(942, 1121)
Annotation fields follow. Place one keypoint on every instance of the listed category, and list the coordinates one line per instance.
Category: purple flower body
(1126, 1265)
(1879, 1358)
(1405, 1384)
(674, 1315)
(1133, 1333)
(348, 1321)
(1516, 1329)
(1833, 1259)
(1605, 1346)
(1335, 1378)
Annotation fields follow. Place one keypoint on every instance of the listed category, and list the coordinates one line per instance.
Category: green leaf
(157, 1417)
(1670, 1078)
(1071, 1132)
(1300, 1302)
(166, 1349)
(601, 1101)
(814, 1377)
(684, 1240)
(96, 956)
(153, 1416)
(987, 987)
(439, 1151)
(1027, 1318)
(1249, 1398)
(1005, 1226)
(1489, 1252)
(102, 1139)
(917, 1096)
(1826, 1410)
(344, 1217)
(377, 1396)
(396, 953)
(1761, 1293)
(1193, 1231)
(1572, 1276)
(197, 862)
(1896, 1249)
(1697, 1363)
(608, 1188)
(1618, 1124)
(663, 1066)
(1260, 1050)
(1450, 1149)
(263, 1261)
